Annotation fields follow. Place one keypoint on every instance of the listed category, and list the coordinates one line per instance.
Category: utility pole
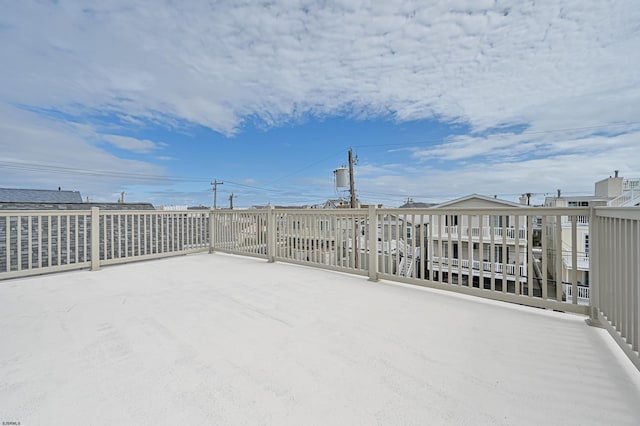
(352, 187)
(231, 201)
(215, 184)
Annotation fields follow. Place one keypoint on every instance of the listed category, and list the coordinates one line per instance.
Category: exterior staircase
(630, 194)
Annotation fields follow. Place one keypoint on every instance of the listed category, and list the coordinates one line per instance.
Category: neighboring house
(410, 204)
(334, 204)
(43, 199)
(21, 199)
(613, 192)
(462, 244)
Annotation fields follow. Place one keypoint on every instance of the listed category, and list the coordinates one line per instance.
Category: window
(500, 221)
(451, 220)
(586, 245)
(445, 249)
(499, 255)
(578, 204)
(408, 232)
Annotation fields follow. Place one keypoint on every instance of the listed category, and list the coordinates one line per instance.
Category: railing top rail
(102, 211)
(335, 212)
(44, 212)
(504, 211)
(523, 211)
(618, 212)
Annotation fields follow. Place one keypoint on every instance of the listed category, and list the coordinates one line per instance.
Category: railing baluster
(504, 254)
(545, 254)
(29, 242)
(530, 260)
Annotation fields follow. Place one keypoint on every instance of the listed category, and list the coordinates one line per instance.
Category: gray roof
(11, 195)
(75, 206)
(416, 204)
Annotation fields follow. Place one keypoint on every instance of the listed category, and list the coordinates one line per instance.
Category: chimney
(523, 199)
(559, 193)
(616, 173)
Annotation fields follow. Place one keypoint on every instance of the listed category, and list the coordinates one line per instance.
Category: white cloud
(483, 63)
(497, 147)
(45, 153)
(131, 144)
(549, 64)
(572, 166)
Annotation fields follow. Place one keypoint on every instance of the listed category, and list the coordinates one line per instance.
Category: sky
(438, 100)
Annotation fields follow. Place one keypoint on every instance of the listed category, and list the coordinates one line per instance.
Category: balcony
(221, 338)
(482, 233)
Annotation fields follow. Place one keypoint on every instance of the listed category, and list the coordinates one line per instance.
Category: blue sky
(438, 101)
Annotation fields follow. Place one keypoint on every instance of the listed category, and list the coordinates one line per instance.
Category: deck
(223, 339)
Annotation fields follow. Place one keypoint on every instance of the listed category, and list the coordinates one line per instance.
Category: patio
(224, 339)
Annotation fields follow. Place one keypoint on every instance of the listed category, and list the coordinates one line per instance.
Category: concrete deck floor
(220, 339)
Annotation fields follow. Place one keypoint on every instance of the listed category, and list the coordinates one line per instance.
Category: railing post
(271, 235)
(594, 268)
(373, 244)
(212, 231)
(95, 238)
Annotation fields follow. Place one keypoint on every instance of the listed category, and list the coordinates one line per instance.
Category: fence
(495, 253)
(36, 242)
(523, 255)
(615, 263)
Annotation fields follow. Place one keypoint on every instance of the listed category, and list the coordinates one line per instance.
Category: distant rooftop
(221, 339)
(17, 195)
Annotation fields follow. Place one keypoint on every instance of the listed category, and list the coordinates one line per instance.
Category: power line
(95, 172)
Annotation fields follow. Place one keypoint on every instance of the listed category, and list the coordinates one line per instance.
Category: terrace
(221, 338)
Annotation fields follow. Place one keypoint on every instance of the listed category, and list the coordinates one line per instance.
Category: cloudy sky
(438, 99)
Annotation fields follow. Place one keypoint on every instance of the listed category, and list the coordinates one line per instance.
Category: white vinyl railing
(484, 232)
(36, 242)
(615, 271)
(443, 262)
(584, 293)
(403, 245)
(630, 193)
(581, 220)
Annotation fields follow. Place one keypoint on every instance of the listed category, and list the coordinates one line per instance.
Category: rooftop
(223, 339)
(15, 195)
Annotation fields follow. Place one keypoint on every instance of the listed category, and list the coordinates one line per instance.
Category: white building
(477, 245)
(614, 192)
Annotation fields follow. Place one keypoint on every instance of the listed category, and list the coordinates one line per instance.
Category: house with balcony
(614, 191)
(467, 249)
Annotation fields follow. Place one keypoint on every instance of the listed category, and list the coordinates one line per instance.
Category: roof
(15, 195)
(468, 200)
(416, 205)
(272, 343)
(74, 206)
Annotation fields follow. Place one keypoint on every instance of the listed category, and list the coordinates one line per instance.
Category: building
(44, 199)
(468, 248)
(613, 191)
